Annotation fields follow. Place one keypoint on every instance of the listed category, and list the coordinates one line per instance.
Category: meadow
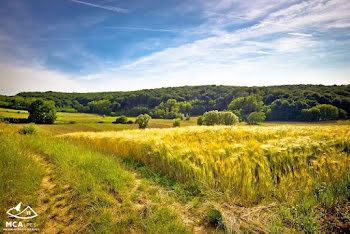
(88, 176)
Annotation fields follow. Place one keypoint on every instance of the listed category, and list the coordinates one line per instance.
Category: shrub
(28, 129)
(211, 117)
(41, 112)
(227, 118)
(215, 217)
(219, 117)
(142, 120)
(200, 120)
(130, 122)
(72, 122)
(188, 117)
(177, 123)
(121, 120)
(256, 117)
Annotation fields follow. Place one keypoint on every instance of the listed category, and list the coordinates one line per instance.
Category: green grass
(10, 113)
(100, 184)
(20, 174)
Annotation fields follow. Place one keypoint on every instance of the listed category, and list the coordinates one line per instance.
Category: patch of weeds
(214, 217)
(301, 217)
(28, 129)
(162, 220)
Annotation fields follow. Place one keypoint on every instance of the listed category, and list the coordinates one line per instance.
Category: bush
(41, 112)
(72, 122)
(227, 118)
(215, 217)
(142, 120)
(211, 117)
(130, 122)
(28, 129)
(177, 123)
(121, 120)
(256, 117)
(200, 120)
(219, 117)
(188, 117)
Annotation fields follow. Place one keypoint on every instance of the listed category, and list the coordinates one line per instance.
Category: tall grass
(20, 175)
(247, 164)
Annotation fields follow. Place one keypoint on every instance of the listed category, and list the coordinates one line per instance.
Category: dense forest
(282, 103)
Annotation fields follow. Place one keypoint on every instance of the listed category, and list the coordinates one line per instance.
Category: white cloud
(143, 29)
(20, 78)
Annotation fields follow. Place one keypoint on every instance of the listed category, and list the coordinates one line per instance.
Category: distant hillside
(278, 102)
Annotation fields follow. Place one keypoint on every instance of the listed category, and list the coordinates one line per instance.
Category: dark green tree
(328, 112)
(41, 112)
(343, 114)
(312, 114)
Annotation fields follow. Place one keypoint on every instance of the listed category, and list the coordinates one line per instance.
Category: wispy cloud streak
(143, 29)
(109, 8)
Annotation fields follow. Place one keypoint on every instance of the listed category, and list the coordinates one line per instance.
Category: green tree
(41, 112)
(328, 112)
(142, 120)
(172, 105)
(243, 106)
(312, 114)
(101, 107)
(342, 114)
(256, 117)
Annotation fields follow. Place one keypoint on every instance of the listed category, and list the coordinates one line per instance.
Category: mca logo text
(24, 216)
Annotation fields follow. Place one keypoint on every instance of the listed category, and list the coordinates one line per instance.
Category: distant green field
(86, 118)
(10, 113)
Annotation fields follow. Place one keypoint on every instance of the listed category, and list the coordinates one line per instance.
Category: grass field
(112, 178)
(86, 118)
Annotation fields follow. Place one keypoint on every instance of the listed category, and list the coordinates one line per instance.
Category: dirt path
(194, 222)
(54, 206)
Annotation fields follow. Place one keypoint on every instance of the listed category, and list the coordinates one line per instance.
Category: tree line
(276, 103)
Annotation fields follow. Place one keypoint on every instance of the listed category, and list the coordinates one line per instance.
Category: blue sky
(111, 45)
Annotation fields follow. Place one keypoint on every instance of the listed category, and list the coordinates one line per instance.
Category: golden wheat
(250, 163)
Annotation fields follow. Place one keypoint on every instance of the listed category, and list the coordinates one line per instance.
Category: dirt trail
(54, 205)
(182, 210)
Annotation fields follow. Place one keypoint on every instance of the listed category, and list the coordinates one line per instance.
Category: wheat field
(245, 164)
